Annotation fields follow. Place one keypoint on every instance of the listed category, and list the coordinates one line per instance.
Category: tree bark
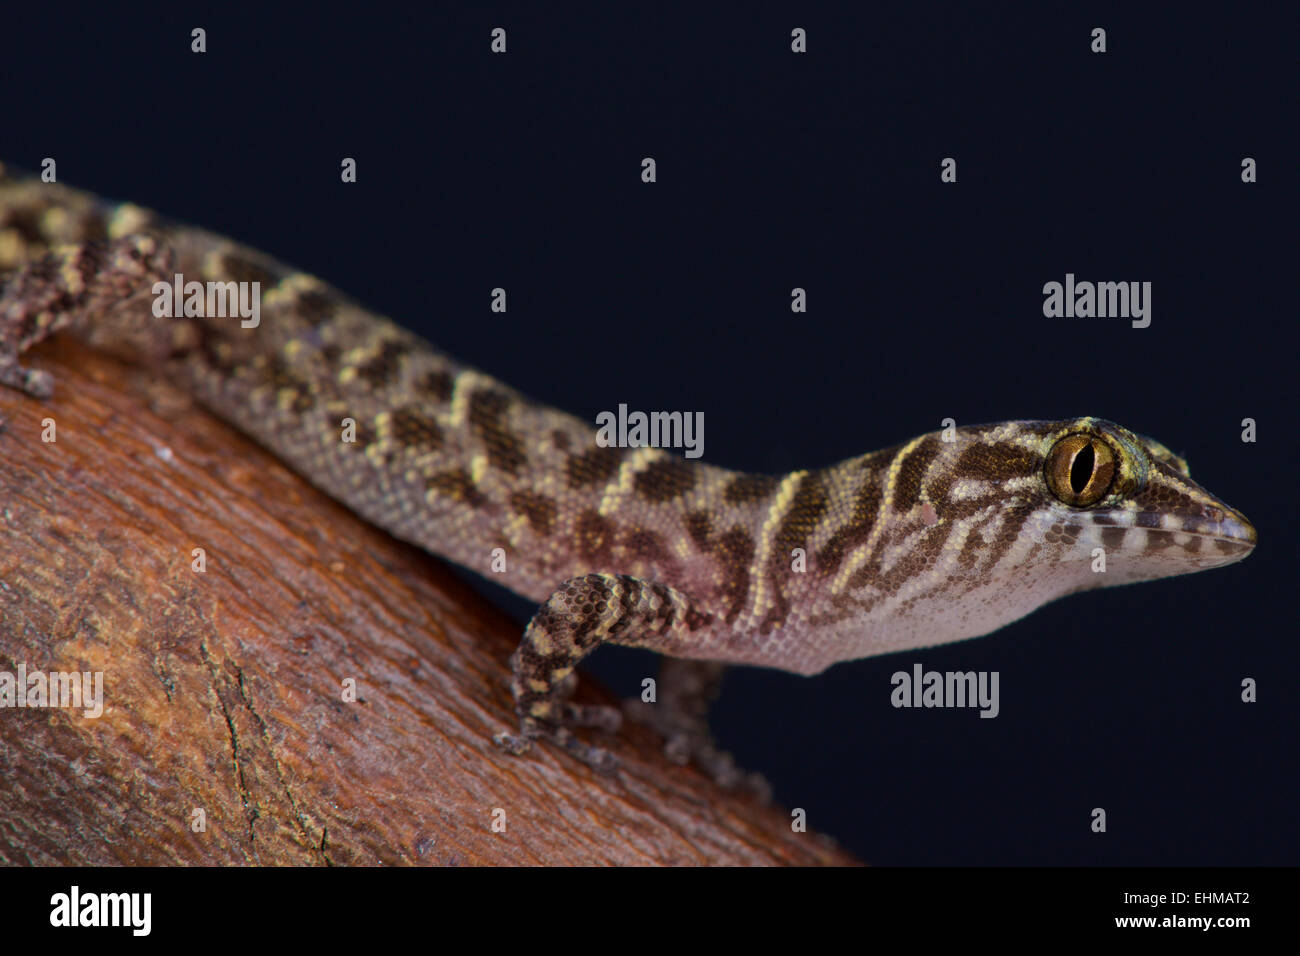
(226, 734)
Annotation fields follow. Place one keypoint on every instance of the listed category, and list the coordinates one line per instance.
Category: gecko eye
(1080, 470)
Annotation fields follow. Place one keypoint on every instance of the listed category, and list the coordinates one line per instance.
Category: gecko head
(1109, 488)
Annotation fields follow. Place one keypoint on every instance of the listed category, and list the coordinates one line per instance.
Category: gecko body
(948, 536)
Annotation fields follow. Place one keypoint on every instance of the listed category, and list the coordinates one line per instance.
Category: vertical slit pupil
(1081, 468)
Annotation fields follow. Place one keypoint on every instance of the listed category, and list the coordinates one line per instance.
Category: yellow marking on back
(126, 219)
(621, 486)
(859, 556)
(785, 493)
(12, 248)
(462, 387)
(55, 221)
(289, 289)
(213, 263)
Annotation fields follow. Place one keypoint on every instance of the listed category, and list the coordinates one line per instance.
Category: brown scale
(699, 525)
(413, 430)
(457, 485)
(664, 480)
(382, 369)
(596, 466)
(236, 268)
(436, 385)
(281, 377)
(646, 545)
(539, 510)
(316, 307)
(750, 489)
(487, 409)
(857, 529)
(910, 474)
(593, 537)
(801, 521)
(734, 550)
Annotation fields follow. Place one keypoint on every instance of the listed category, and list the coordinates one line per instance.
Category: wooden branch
(224, 689)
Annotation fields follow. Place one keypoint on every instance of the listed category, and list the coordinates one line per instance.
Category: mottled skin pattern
(945, 537)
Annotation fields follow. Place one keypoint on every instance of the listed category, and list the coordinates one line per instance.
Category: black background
(820, 170)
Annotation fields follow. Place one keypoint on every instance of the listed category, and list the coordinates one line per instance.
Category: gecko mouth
(1208, 536)
(1226, 525)
(1224, 531)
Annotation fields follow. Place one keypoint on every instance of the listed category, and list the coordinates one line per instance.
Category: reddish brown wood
(224, 689)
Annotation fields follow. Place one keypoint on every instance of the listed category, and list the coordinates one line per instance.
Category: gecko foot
(520, 743)
(30, 381)
(680, 717)
(594, 716)
(598, 717)
(536, 725)
(687, 742)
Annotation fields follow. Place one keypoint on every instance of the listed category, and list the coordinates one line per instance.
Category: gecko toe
(596, 757)
(594, 716)
(516, 744)
(600, 759)
(687, 740)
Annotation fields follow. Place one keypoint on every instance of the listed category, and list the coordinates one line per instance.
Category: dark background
(925, 301)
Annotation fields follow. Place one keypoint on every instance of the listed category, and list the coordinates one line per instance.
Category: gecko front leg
(593, 609)
(583, 613)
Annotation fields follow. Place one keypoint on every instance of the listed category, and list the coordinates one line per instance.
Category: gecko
(948, 536)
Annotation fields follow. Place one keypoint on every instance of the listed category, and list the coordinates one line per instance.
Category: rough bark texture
(224, 690)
